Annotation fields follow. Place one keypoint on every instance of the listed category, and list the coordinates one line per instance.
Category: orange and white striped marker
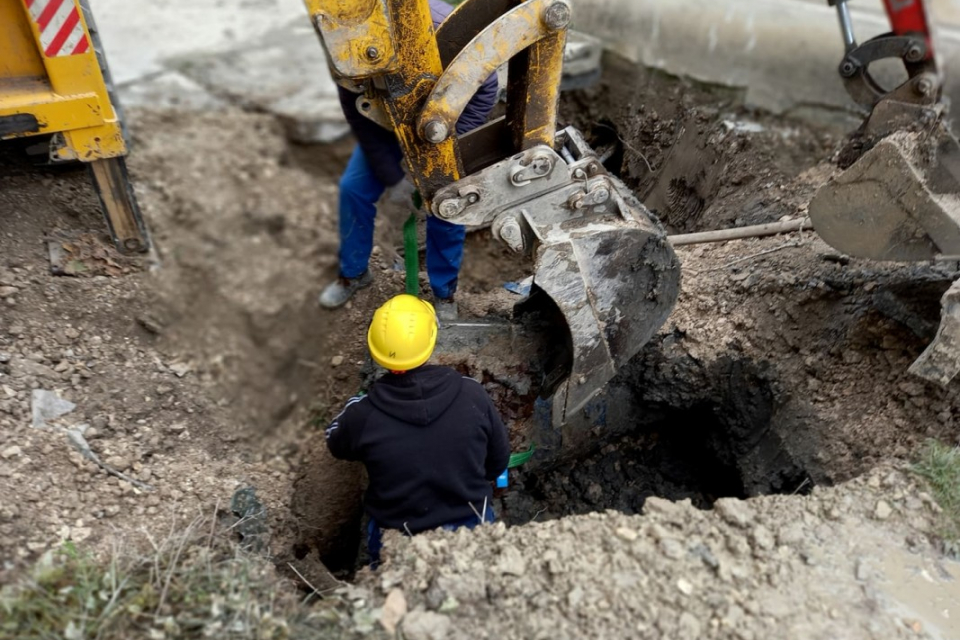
(61, 32)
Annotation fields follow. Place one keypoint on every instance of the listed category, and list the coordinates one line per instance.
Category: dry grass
(193, 584)
(940, 466)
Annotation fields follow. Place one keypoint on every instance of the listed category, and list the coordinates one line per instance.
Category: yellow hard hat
(403, 333)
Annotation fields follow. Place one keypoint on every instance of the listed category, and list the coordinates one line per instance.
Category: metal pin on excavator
(605, 273)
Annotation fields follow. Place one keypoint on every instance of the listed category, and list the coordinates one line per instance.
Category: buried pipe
(740, 233)
(723, 235)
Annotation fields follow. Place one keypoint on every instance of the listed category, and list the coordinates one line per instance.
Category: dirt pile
(693, 154)
(195, 378)
(832, 564)
(832, 339)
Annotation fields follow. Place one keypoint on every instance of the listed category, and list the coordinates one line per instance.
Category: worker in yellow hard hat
(431, 439)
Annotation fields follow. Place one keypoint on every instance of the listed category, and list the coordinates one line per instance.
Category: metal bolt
(435, 131)
(509, 232)
(373, 53)
(925, 86)
(557, 16)
(579, 174)
(601, 195)
(449, 208)
(847, 68)
(915, 53)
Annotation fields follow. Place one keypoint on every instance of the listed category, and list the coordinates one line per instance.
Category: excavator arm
(605, 277)
(417, 81)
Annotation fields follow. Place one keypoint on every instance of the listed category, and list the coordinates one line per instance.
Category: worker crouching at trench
(431, 439)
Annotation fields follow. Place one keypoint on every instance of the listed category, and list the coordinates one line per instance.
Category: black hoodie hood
(419, 396)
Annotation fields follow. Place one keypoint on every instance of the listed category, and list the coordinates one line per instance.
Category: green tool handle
(411, 254)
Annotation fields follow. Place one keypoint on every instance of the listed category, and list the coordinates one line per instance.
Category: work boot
(342, 289)
(446, 310)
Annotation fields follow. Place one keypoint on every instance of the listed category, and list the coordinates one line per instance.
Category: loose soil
(781, 370)
(845, 562)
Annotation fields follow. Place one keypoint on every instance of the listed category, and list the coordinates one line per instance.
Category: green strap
(411, 254)
(517, 459)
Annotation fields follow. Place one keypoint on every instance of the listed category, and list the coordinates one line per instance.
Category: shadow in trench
(688, 432)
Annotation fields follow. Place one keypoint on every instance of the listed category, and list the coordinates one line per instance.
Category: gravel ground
(213, 372)
(852, 561)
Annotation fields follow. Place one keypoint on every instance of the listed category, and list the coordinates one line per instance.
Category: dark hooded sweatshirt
(380, 146)
(432, 443)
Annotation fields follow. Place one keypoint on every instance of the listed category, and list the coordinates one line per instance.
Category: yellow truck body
(53, 83)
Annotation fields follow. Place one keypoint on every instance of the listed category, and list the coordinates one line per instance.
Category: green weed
(194, 584)
(939, 465)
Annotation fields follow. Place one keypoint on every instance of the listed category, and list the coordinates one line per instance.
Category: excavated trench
(776, 373)
(669, 425)
(666, 426)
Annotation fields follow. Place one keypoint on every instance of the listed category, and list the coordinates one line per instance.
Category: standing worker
(431, 439)
(375, 167)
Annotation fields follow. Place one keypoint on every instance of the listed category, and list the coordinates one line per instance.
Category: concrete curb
(783, 53)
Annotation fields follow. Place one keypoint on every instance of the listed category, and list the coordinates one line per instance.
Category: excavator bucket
(899, 196)
(605, 277)
(614, 282)
(900, 201)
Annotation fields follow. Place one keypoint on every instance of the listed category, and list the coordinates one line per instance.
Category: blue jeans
(359, 191)
(375, 533)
